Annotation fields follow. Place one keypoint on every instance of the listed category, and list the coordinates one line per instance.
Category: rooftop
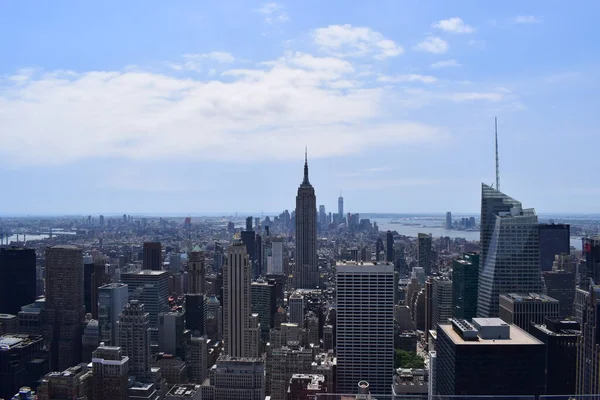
(12, 340)
(66, 247)
(146, 272)
(517, 336)
(187, 390)
(529, 297)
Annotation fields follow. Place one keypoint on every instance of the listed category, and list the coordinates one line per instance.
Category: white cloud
(273, 12)
(453, 25)
(407, 78)
(265, 112)
(526, 19)
(349, 41)
(445, 64)
(432, 44)
(218, 56)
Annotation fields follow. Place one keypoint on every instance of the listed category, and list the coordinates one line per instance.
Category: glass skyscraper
(509, 250)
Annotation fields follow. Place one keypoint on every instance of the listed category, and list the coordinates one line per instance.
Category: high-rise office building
(151, 288)
(488, 357)
(378, 249)
(197, 271)
(171, 328)
(276, 256)
(365, 326)
(134, 339)
(89, 340)
(296, 305)
(389, 247)
(560, 338)
(340, 209)
(152, 257)
(88, 271)
(306, 271)
(285, 361)
(22, 362)
(17, 278)
(236, 379)
(73, 383)
(425, 252)
(197, 359)
(560, 285)
(195, 313)
(264, 303)
(110, 368)
(98, 278)
(510, 250)
(64, 311)
(554, 239)
(526, 309)
(236, 301)
(322, 217)
(441, 301)
(588, 347)
(448, 220)
(590, 273)
(112, 298)
(465, 277)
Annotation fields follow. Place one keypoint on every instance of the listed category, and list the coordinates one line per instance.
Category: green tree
(407, 359)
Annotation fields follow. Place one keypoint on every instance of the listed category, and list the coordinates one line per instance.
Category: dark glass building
(22, 362)
(152, 256)
(554, 239)
(465, 276)
(560, 338)
(88, 271)
(195, 313)
(17, 278)
(487, 358)
(561, 286)
(389, 247)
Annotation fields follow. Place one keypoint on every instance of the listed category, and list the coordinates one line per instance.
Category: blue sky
(191, 107)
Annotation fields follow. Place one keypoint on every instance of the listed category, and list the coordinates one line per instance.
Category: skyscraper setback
(509, 250)
(306, 273)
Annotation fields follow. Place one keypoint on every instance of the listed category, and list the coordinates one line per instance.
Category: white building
(365, 326)
(276, 264)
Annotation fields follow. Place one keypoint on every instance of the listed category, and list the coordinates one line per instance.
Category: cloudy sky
(191, 107)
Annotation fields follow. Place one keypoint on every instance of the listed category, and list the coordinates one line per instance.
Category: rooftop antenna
(497, 162)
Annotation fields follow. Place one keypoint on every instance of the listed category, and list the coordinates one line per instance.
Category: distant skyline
(151, 107)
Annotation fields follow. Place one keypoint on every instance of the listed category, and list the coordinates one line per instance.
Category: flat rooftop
(145, 272)
(517, 336)
(529, 297)
(187, 390)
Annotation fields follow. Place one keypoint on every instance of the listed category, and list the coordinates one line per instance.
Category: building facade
(197, 271)
(112, 298)
(134, 339)
(441, 307)
(465, 278)
(365, 326)
(555, 239)
(110, 370)
(424, 252)
(17, 278)
(306, 271)
(152, 256)
(525, 309)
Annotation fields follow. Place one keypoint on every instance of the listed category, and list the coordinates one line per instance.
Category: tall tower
(306, 273)
(17, 278)
(341, 207)
(509, 250)
(110, 373)
(236, 301)
(365, 326)
(64, 312)
(197, 271)
(134, 338)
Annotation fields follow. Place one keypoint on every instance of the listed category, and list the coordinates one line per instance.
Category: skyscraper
(554, 240)
(152, 256)
(306, 272)
(365, 326)
(236, 301)
(465, 277)
(112, 298)
(98, 279)
(510, 250)
(389, 247)
(588, 348)
(441, 308)
(264, 304)
(340, 208)
(64, 312)
(276, 256)
(110, 373)
(425, 252)
(197, 271)
(448, 220)
(134, 339)
(17, 278)
(322, 217)
(526, 309)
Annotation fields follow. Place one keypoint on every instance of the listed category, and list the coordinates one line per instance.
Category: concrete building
(441, 301)
(31, 317)
(112, 298)
(264, 303)
(152, 256)
(305, 386)
(64, 311)
(525, 309)
(365, 325)
(197, 271)
(410, 383)
(197, 359)
(151, 288)
(560, 285)
(17, 278)
(285, 361)
(134, 339)
(448, 220)
(465, 278)
(73, 383)
(235, 378)
(237, 301)
(424, 257)
(185, 392)
(560, 338)
(99, 277)
(276, 257)
(22, 362)
(588, 346)
(509, 250)
(173, 369)
(306, 269)
(89, 340)
(9, 323)
(110, 370)
(488, 357)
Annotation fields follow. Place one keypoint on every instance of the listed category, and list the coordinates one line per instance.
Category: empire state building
(306, 272)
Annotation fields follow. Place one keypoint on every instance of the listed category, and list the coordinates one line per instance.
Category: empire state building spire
(305, 181)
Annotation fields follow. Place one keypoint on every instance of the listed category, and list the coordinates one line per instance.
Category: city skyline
(397, 99)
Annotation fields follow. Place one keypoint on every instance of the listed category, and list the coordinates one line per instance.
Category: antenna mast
(497, 162)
